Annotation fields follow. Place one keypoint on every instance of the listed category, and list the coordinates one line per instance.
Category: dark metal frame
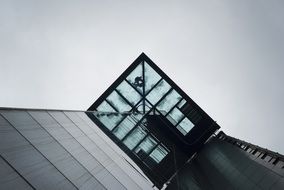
(189, 143)
(143, 57)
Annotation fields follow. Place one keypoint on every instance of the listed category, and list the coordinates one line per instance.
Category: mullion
(161, 100)
(143, 74)
(124, 117)
(112, 105)
(163, 97)
(138, 123)
(153, 87)
(158, 143)
(119, 93)
(133, 87)
(148, 134)
(180, 121)
(173, 107)
(153, 107)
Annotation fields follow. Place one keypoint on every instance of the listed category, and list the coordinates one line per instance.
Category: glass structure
(143, 92)
(142, 133)
(152, 119)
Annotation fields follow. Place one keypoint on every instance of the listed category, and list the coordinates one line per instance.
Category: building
(144, 132)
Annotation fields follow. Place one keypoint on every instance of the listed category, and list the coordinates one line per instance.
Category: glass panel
(105, 107)
(185, 126)
(148, 106)
(129, 93)
(151, 77)
(135, 137)
(175, 116)
(136, 78)
(145, 147)
(181, 103)
(159, 154)
(118, 102)
(157, 93)
(110, 120)
(181, 130)
(124, 127)
(168, 102)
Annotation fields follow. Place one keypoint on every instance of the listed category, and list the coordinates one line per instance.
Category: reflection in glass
(145, 147)
(105, 107)
(181, 103)
(148, 106)
(110, 120)
(175, 116)
(158, 154)
(185, 126)
(129, 93)
(157, 93)
(135, 137)
(169, 101)
(151, 77)
(126, 125)
(118, 102)
(136, 78)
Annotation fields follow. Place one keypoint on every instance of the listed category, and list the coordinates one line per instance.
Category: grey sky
(227, 55)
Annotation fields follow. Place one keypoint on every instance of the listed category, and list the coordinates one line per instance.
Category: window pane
(159, 154)
(125, 126)
(168, 102)
(157, 93)
(151, 77)
(185, 126)
(129, 93)
(110, 120)
(136, 78)
(181, 103)
(105, 107)
(135, 137)
(145, 147)
(175, 116)
(118, 102)
(148, 106)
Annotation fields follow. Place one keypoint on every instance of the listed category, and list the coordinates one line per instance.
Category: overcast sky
(227, 55)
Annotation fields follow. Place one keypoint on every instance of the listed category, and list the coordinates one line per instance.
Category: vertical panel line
(39, 151)
(63, 146)
(95, 145)
(18, 172)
